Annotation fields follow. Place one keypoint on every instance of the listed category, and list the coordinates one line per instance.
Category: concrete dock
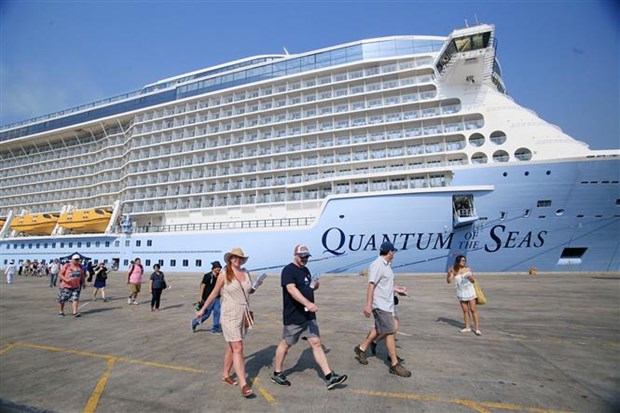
(550, 343)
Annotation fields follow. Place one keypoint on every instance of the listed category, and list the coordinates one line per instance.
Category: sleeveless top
(235, 307)
(464, 288)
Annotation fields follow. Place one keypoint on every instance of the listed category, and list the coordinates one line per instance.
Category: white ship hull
(410, 139)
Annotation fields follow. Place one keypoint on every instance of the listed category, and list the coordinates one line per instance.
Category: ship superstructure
(264, 148)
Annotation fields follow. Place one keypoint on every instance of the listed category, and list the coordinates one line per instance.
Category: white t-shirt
(381, 275)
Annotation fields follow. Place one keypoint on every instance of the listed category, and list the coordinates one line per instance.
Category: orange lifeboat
(35, 224)
(86, 221)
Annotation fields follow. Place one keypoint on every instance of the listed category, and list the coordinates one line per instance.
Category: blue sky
(559, 58)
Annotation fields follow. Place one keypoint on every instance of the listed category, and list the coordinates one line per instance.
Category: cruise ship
(411, 139)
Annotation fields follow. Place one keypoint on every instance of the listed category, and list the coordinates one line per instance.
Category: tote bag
(482, 299)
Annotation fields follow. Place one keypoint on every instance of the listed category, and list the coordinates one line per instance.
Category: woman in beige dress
(235, 288)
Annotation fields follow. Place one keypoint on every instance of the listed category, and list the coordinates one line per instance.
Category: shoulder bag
(248, 319)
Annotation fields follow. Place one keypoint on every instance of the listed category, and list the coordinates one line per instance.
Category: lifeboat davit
(86, 221)
(35, 224)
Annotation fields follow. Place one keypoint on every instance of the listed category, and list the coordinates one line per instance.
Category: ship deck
(550, 343)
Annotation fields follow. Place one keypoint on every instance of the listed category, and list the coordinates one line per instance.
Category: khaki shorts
(135, 288)
(384, 321)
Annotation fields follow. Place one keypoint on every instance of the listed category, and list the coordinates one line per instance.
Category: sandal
(229, 380)
(246, 391)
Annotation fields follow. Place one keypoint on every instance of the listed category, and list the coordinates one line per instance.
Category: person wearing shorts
(299, 317)
(72, 279)
(134, 279)
(380, 303)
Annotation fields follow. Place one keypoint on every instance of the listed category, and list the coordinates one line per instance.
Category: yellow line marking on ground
(107, 357)
(264, 392)
(481, 407)
(93, 400)
(162, 366)
(64, 350)
(7, 348)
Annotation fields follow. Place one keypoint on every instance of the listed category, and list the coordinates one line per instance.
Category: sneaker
(134, 302)
(77, 315)
(129, 300)
(389, 361)
(360, 355)
(194, 325)
(399, 370)
(478, 332)
(61, 314)
(105, 300)
(335, 380)
(216, 332)
(465, 330)
(373, 348)
(280, 379)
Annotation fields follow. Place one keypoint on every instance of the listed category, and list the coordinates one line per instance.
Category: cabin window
(138, 243)
(173, 263)
(88, 245)
(147, 263)
(127, 243)
(149, 243)
(198, 263)
(185, 263)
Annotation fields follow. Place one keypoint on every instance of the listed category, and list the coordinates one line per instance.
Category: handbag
(481, 299)
(248, 321)
(248, 318)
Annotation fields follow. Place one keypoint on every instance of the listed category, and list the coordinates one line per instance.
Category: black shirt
(293, 311)
(209, 281)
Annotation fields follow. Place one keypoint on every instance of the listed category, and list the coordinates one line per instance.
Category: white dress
(464, 288)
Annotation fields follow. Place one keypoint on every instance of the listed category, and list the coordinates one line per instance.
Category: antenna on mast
(466, 25)
(285, 51)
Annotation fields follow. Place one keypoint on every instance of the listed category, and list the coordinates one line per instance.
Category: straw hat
(237, 252)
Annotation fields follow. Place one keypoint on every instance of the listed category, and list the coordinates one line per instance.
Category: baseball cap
(76, 257)
(387, 246)
(302, 251)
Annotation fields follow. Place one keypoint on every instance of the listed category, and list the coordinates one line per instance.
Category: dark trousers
(156, 297)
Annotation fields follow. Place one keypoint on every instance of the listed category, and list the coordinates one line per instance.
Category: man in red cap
(299, 316)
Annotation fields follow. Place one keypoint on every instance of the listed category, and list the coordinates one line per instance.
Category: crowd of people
(225, 293)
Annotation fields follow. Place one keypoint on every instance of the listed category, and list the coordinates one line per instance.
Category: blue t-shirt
(158, 279)
(293, 311)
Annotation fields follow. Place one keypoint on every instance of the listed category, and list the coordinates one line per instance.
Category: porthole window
(526, 173)
(479, 157)
(498, 137)
(476, 139)
(500, 156)
(523, 154)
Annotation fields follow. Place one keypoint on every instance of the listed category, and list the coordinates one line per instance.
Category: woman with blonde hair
(235, 287)
(464, 280)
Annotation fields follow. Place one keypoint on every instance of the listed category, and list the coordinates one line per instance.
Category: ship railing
(465, 212)
(228, 225)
